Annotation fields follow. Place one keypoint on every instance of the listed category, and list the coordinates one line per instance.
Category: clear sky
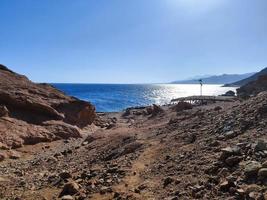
(132, 41)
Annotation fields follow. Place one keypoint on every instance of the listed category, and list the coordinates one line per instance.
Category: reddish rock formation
(32, 113)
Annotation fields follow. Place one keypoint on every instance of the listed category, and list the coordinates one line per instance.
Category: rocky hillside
(215, 151)
(32, 113)
(251, 78)
(253, 88)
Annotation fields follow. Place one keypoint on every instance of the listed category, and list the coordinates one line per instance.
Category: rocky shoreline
(56, 147)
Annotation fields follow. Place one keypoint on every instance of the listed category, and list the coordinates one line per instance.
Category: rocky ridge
(31, 113)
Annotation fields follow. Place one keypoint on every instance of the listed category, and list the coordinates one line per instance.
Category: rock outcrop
(32, 113)
(253, 88)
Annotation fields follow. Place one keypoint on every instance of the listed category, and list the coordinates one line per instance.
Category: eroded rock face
(32, 113)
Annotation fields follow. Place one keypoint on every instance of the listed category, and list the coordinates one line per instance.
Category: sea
(117, 97)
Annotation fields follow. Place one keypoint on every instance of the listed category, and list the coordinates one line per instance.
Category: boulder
(182, 106)
(252, 168)
(230, 151)
(229, 93)
(70, 188)
(32, 113)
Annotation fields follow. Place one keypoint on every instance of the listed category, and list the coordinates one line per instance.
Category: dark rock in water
(229, 93)
(32, 109)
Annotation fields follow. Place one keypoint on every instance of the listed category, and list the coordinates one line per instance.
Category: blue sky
(132, 41)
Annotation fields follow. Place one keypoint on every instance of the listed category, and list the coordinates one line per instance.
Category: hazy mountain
(217, 79)
(246, 80)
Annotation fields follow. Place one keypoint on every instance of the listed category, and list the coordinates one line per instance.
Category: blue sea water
(116, 97)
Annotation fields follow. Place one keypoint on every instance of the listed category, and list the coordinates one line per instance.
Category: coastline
(161, 152)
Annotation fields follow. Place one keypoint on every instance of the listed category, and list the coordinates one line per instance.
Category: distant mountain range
(251, 78)
(216, 79)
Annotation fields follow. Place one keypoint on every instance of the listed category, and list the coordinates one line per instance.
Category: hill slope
(31, 113)
(254, 77)
(220, 79)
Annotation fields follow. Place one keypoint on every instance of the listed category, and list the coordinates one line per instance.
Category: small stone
(226, 185)
(240, 192)
(167, 181)
(14, 155)
(3, 111)
(69, 188)
(67, 197)
(2, 156)
(261, 145)
(264, 164)
(262, 173)
(233, 160)
(3, 146)
(229, 134)
(252, 168)
(65, 175)
(116, 195)
(217, 108)
(136, 190)
(229, 151)
(104, 190)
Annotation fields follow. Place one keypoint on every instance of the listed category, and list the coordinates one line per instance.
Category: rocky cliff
(32, 113)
